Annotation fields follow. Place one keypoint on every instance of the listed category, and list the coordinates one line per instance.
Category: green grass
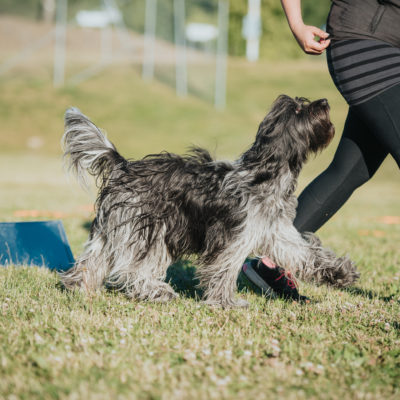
(61, 345)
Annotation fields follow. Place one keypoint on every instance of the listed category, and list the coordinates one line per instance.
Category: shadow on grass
(396, 325)
(370, 294)
(87, 225)
(182, 277)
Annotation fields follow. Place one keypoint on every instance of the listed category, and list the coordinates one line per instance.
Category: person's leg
(371, 131)
(357, 158)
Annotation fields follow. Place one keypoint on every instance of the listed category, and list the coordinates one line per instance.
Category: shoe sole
(254, 278)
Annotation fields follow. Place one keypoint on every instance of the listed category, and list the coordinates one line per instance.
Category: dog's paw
(345, 274)
(164, 294)
(159, 292)
(241, 303)
(231, 303)
(339, 272)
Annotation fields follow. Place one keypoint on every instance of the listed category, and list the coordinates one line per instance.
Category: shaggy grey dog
(165, 207)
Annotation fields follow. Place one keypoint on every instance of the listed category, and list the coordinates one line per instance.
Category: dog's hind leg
(219, 278)
(143, 278)
(90, 268)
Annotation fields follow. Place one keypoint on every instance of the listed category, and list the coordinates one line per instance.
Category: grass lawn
(62, 345)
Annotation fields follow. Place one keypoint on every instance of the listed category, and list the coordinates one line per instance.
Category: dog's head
(312, 122)
(294, 128)
(304, 123)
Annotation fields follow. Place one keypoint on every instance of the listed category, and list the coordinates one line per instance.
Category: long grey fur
(165, 207)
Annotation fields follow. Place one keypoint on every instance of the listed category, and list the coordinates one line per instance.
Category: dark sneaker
(274, 282)
(249, 271)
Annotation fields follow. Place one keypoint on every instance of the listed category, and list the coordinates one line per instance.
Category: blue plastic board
(42, 243)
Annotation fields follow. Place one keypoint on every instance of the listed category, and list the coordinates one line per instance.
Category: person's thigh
(359, 153)
(382, 115)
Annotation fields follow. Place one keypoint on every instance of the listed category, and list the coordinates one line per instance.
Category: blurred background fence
(183, 43)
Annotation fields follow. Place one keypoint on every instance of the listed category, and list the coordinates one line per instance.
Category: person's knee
(396, 156)
(359, 177)
(351, 177)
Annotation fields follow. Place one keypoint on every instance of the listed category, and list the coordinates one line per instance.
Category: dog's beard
(322, 131)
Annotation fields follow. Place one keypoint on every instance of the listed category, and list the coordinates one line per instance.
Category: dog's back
(146, 193)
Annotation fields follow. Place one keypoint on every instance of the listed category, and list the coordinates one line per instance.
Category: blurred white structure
(180, 51)
(48, 10)
(107, 17)
(195, 45)
(99, 18)
(251, 29)
(202, 33)
(60, 39)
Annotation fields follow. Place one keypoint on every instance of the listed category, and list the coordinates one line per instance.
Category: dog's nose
(324, 102)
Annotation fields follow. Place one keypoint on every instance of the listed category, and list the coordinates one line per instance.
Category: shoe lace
(290, 282)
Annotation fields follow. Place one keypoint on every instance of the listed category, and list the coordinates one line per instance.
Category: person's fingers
(311, 50)
(324, 43)
(306, 38)
(320, 46)
(314, 52)
(311, 46)
(319, 32)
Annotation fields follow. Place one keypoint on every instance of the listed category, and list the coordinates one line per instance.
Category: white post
(222, 49)
(149, 39)
(106, 45)
(180, 48)
(60, 43)
(252, 29)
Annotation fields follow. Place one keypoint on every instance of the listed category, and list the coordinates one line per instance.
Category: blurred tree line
(276, 40)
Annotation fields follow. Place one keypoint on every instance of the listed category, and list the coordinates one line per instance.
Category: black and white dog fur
(165, 207)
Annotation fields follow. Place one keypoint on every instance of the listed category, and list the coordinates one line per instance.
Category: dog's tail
(86, 148)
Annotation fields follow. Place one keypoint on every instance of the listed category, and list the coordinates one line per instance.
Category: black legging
(371, 132)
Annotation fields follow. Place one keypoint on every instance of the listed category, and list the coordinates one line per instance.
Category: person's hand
(306, 37)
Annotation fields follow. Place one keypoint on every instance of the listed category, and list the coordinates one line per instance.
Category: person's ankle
(268, 262)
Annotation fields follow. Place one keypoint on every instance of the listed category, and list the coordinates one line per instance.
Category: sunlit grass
(57, 344)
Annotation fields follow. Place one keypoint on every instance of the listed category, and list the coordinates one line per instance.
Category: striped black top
(363, 68)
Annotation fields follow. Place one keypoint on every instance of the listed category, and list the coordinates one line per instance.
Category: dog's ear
(300, 104)
(322, 131)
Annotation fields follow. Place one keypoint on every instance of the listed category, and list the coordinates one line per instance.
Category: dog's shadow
(182, 277)
(370, 294)
(87, 225)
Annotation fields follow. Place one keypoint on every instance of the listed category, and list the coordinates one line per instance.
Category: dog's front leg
(328, 267)
(304, 256)
(287, 248)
